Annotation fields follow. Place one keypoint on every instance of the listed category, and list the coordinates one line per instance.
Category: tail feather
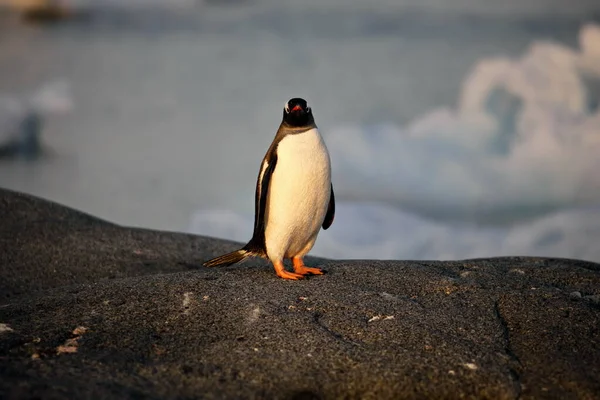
(229, 258)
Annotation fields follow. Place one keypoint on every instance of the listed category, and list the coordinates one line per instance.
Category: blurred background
(457, 128)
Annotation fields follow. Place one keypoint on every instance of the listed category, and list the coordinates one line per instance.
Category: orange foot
(282, 273)
(302, 269)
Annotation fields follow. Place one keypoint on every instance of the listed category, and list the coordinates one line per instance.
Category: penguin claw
(289, 275)
(304, 270)
(282, 273)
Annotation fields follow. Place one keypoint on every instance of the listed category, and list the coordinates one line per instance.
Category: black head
(297, 113)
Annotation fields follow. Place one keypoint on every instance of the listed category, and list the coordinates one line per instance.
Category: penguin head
(297, 113)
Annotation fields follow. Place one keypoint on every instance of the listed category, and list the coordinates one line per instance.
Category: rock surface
(89, 309)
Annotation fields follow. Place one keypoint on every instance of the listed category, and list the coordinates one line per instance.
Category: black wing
(260, 201)
(330, 211)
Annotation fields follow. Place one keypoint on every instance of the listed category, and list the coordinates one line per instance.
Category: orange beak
(297, 108)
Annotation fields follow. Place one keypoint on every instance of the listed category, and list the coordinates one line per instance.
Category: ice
(53, 97)
(21, 115)
(589, 41)
(512, 170)
(526, 132)
(376, 231)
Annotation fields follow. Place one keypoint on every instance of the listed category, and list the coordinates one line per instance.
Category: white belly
(298, 195)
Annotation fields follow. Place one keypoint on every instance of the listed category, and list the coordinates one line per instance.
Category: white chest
(298, 194)
(304, 156)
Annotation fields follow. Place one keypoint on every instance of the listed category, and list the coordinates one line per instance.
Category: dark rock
(594, 299)
(94, 310)
(575, 295)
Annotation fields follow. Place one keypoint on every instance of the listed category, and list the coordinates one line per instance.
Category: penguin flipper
(257, 243)
(330, 211)
(228, 259)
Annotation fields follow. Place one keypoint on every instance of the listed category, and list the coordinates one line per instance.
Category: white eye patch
(287, 108)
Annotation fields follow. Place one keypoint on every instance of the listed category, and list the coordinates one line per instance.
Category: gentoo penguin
(294, 196)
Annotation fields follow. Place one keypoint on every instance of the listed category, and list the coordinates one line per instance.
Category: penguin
(294, 196)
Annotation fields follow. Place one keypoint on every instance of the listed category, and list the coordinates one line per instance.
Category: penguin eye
(287, 108)
(308, 109)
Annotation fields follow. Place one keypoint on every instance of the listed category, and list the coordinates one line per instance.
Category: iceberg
(511, 170)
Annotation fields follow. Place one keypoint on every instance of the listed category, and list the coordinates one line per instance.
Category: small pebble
(388, 296)
(80, 330)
